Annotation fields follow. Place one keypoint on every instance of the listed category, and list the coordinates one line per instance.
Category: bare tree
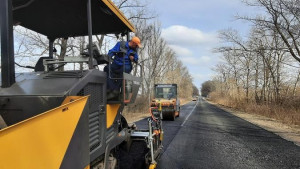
(283, 19)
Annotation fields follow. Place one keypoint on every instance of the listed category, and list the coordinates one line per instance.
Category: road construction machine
(52, 119)
(165, 98)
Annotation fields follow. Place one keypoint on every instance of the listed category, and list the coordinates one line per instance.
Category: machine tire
(172, 116)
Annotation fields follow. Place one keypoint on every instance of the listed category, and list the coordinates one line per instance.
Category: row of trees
(158, 63)
(264, 67)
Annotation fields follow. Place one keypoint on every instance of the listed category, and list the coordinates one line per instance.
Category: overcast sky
(191, 27)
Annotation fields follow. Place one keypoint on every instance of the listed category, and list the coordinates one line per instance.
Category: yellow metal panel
(69, 99)
(41, 141)
(87, 167)
(116, 10)
(111, 113)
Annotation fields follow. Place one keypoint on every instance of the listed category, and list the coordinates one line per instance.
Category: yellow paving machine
(52, 119)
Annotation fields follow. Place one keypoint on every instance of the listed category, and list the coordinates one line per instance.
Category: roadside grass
(137, 111)
(287, 112)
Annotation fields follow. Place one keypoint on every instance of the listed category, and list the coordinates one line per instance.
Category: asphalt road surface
(205, 136)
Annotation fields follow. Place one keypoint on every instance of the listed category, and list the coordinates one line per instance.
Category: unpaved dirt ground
(288, 132)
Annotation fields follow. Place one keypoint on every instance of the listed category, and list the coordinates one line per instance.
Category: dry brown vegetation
(288, 113)
(136, 111)
(260, 72)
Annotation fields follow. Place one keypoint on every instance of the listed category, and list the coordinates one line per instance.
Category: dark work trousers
(116, 71)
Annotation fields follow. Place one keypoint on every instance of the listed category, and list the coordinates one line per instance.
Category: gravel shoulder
(287, 132)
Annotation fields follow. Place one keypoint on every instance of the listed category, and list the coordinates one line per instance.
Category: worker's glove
(132, 59)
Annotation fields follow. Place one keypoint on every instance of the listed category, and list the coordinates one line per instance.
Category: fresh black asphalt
(205, 136)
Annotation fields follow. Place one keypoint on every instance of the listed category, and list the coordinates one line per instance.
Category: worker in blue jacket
(123, 54)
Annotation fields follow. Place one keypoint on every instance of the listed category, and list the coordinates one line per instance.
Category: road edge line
(190, 113)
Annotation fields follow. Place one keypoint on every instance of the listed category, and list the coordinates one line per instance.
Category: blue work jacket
(118, 58)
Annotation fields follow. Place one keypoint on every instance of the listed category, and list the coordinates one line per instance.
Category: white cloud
(190, 60)
(199, 78)
(202, 61)
(181, 51)
(205, 59)
(182, 35)
(199, 61)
